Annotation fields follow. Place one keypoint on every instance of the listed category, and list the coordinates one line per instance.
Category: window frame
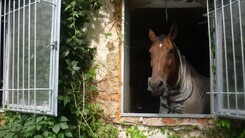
(218, 47)
(125, 69)
(52, 90)
(216, 80)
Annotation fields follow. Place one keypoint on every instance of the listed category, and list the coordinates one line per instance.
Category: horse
(180, 88)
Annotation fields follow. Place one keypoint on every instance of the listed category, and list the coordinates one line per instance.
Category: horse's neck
(174, 76)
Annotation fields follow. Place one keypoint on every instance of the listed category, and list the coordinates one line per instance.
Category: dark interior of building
(192, 41)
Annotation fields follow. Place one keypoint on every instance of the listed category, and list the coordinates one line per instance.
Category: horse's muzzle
(159, 89)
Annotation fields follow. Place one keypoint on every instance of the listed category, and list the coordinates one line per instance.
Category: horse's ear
(173, 32)
(152, 35)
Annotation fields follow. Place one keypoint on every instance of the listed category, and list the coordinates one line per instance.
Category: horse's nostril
(160, 84)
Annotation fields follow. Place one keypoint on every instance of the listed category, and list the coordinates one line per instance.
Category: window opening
(192, 40)
(226, 30)
(30, 44)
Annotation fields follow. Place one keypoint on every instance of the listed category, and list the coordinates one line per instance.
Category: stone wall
(104, 34)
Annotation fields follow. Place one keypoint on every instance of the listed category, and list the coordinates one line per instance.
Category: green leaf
(38, 127)
(56, 128)
(38, 136)
(46, 133)
(225, 123)
(63, 119)
(76, 68)
(68, 134)
(73, 3)
(31, 128)
(3, 128)
(68, 7)
(68, 40)
(52, 136)
(29, 123)
(65, 53)
(66, 100)
(63, 125)
(107, 34)
(93, 88)
(3, 133)
(60, 97)
(61, 135)
(40, 118)
(74, 63)
(9, 135)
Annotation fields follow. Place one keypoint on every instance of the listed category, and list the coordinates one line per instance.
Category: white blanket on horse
(192, 87)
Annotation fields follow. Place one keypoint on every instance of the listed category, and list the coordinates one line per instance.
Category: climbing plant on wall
(77, 72)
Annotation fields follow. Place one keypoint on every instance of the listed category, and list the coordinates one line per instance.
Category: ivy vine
(77, 73)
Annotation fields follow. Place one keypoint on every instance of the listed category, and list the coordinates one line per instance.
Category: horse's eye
(171, 51)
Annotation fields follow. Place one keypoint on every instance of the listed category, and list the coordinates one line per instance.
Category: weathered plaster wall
(104, 34)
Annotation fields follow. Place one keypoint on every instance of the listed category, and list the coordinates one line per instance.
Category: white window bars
(226, 19)
(30, 45)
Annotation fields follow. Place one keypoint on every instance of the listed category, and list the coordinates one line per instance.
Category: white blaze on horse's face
(163, 61)
(160, 45)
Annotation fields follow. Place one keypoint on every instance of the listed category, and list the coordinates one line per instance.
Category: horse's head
(164, 61)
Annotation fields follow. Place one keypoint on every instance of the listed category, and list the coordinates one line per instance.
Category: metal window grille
(226, 19)
(30, 45)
